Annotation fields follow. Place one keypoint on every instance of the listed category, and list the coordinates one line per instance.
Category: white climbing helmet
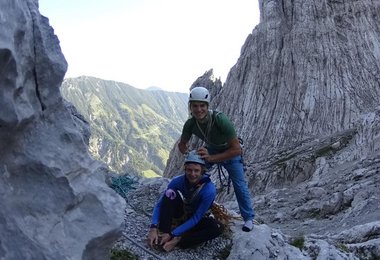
(193, 157)
(199, 94)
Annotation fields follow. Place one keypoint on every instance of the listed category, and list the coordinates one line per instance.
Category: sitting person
(187, 197)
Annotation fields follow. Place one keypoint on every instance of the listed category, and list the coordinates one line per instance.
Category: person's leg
(208, 228)
(235, 171)
(171, 207)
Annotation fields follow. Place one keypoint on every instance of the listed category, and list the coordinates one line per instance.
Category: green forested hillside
(132, 130)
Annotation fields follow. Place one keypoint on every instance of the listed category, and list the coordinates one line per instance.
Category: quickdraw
(222, 175)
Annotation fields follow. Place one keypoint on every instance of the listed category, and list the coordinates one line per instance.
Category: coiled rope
(123, 184)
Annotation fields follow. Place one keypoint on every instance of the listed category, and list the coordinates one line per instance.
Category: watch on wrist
(153, 226)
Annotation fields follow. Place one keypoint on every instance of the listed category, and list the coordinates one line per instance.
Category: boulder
(54, 202)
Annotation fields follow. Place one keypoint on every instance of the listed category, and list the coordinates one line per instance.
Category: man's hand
(165, 238)
(153, 237)
(233, 150)
(203, 153)
(182, 146)
(171, 244)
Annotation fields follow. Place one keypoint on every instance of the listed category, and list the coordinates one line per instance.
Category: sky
(151, 43)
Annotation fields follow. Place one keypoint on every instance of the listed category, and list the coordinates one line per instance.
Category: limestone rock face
(304, 96)
(310, 68)
(207, 80)
(54, 203)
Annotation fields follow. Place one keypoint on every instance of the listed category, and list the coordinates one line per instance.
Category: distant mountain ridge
(132, 130)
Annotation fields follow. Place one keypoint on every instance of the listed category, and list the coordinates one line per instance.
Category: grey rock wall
(304, 96)
(54, 203)
(310, 68)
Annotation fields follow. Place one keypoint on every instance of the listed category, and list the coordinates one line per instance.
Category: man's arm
(233, 150)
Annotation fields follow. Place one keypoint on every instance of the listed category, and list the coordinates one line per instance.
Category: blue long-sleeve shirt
(204, 200)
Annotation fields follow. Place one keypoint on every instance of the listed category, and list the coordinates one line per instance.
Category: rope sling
(221, 173)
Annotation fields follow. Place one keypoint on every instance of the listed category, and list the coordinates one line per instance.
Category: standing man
(222, 147)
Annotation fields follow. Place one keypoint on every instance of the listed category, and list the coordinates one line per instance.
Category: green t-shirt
(220, 133)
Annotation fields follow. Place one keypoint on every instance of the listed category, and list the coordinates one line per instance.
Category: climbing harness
(187, 202)
(221, 171)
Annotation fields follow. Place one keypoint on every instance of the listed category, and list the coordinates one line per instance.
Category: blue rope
(123, 184)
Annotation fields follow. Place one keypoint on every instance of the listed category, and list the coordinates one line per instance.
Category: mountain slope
(132, 130)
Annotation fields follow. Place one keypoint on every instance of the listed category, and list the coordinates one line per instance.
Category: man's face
(193, 172)
(198, 109)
